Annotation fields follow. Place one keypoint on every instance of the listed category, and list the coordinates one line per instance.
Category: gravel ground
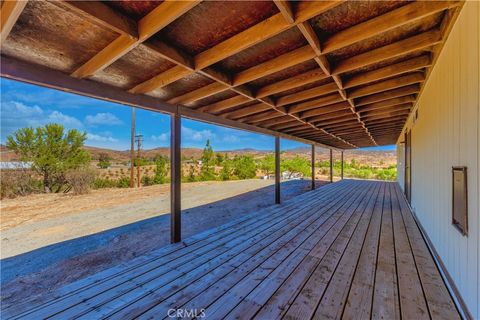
(49, 241)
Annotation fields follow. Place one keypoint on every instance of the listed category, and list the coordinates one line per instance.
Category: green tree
(51, 151)
(219, 158)
(227, 169)
(296, 165)
(207, 170)
(104, 161)
(244, 167)
(191, 174)
(267, 164)
(161, 170)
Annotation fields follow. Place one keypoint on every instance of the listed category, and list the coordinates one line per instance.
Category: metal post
(175, 172)
(132, 151)
(277, 169)
(313, 167)
(331, 165)
(342, 164)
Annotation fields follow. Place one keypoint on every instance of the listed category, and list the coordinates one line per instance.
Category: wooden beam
(101, 14)
(387, 104)
(389, 120)
(163, 15)
(404, 106)
(312, 163)
(300, 130)
(153, 22)
(277, 170)
(161, 80)
(388, 71)
(278, 120)
(388, 21)
(333, 115)
(350, 124)
(285, 9)
(325, 109)
(400, 92)
(291, 83)
(393, 50)
(386, 85)
(9, 13)
(291, 124)
(246, 111)
(306, 10)
(198, 94)
(224, 104)
(391, 114)
(331, 165)
(323, 124)
(241, 41)
(284, 61)
(341, 160)
(108, 55)
(176, 177)
(307, 94)
(311, 37)
(308, 105)
(262, 116)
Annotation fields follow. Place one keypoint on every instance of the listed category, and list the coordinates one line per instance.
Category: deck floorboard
(348, 250)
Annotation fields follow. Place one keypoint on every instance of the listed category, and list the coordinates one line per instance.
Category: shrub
(80, 180)
(14, 183)
(148, 181)
(244, 167)
(100, 183)
(123, 182)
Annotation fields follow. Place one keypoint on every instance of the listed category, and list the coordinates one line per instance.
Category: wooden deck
(347, 250)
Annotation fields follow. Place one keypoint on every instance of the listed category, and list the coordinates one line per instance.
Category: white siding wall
(446, 134)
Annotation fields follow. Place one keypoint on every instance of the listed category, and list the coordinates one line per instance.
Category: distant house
(12, 165)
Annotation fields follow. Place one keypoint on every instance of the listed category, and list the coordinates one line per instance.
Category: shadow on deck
(347, 250)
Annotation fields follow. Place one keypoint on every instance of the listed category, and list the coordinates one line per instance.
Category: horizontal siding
(446, 134)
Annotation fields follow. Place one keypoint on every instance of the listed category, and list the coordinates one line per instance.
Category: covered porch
(350, 249)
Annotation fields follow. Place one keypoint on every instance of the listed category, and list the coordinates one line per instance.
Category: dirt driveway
(50, 240)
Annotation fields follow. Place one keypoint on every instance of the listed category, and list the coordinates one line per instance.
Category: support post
(331, 165)
(132, 151)
(342, 164)
(175, 171)
(277, 169)
(313, 167)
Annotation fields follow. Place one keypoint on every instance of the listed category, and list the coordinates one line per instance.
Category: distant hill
(378, 158)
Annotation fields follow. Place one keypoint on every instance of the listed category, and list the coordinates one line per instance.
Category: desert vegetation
(54, 160)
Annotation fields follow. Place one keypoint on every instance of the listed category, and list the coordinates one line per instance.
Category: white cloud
(91, 137)
(104, 118)
(67, 121)
(163, 137)
(16, 115)
(189, 134)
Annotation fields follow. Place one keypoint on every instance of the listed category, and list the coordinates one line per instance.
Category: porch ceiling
(340, 73)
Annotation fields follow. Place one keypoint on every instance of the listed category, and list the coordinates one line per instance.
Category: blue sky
(108, 124)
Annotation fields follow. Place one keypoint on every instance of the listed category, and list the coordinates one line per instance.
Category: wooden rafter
(386, 72)
(388, 21)
(154, 21)
(399, 48)
(367, 98)
(386, 85)
(9, 13)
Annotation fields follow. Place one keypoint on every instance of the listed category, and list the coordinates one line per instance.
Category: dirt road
(51, 240)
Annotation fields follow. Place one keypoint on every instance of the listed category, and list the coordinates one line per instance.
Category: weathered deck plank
(347, 250)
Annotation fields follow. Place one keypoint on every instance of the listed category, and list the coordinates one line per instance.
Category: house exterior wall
(445, 134)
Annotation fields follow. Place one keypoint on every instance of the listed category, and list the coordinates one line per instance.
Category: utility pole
(139, 138)
(132, 151)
